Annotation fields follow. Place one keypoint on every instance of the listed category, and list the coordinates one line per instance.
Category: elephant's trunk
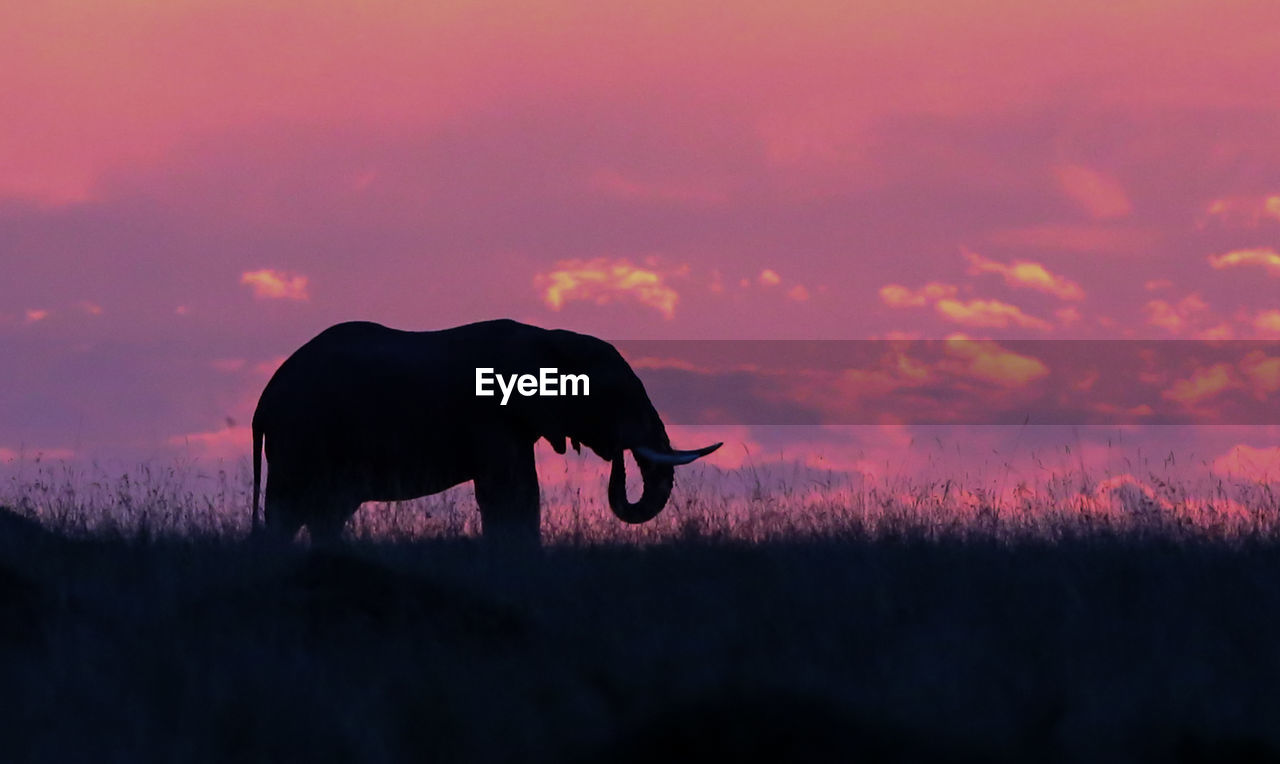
(658, 480)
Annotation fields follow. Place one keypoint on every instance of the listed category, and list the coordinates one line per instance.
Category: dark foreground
(1097, 648)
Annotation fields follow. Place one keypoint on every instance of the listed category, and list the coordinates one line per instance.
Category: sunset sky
(190, 190)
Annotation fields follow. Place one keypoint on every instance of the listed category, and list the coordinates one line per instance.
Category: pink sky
(190, 190)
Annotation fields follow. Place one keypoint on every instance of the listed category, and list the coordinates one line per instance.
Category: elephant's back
(362, 369)
(348, 367)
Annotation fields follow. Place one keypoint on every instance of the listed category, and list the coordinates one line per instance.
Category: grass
(763, 619)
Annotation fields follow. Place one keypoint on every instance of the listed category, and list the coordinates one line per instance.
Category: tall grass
(777, 613)
(753, 504)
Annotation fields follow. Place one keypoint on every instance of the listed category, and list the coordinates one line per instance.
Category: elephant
(363, 412)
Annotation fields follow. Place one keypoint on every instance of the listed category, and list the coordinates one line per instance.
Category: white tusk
(674, 457)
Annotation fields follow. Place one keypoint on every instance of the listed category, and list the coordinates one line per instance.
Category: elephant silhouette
(363, 412)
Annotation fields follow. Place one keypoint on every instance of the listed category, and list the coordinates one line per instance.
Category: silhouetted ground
(1098, 646)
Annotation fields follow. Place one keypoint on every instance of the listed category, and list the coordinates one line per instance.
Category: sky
(191, 190)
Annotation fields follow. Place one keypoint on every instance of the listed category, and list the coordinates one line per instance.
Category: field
(137, 623)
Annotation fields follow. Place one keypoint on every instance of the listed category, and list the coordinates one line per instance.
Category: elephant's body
(367, 413)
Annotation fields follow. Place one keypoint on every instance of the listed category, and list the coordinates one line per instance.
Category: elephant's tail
(257, 468)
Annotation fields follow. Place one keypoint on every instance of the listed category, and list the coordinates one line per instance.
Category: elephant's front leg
(507, 493)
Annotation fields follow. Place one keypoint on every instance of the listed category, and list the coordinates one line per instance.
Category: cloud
(1248, 461)
(1221, 331)
(1124, 494)
(90, 308)
(1243, 211)
(1267, 321)
(988, 313)
(1203, 383)
(226, 442)
(1155, 285)
(1264, 256)
(1263, 371)
(974, 313)
(767, 278)
(1100, 195)
(1025, 273)
(898, 296)
(1175, 317)
(8, 454)
(268, 284)
(602, 281)
(34, 315)
(990, 362)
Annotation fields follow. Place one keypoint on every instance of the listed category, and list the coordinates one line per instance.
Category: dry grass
(778, 502)
(788, 615)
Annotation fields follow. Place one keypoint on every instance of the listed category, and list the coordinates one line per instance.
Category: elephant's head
(615, 418)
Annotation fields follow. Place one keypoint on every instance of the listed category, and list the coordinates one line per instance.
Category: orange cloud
(268, 284)
(601, 281)
(856, 383)
(1024, 273)
(988, 313)
(1263, 371)
(769, 277)
(1243, 211)
(898, 296)
(1175, 318)
(34, 315)
(1203, 383)
(798, 293)
(1155, 285)
(993, 363)
(1100, 195)
(1219, 332)
(1264, 256)
(1267, 321)
(910, 368)
(90, 308)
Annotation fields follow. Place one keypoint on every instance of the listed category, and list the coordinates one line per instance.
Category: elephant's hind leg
(284, 510)
(507, 494)
(328, 517)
